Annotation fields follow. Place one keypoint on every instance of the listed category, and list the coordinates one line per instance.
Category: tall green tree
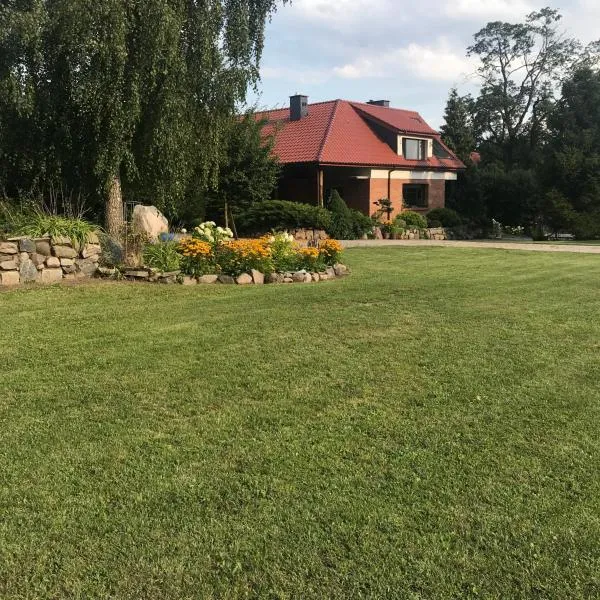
(125, 97)
(521, 64)
(457, 130)
(249, 170)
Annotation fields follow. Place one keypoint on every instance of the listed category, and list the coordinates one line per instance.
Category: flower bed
(211, 255)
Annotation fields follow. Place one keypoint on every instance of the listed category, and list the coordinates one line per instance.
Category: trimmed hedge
(446, 217)
(280, 215)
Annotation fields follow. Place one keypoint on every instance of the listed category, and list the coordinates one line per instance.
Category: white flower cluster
(284, 237)
(209, 232)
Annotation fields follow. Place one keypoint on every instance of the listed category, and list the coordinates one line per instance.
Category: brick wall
(379, 189)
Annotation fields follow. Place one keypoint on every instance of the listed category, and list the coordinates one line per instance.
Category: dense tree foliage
(104, 95)
(535, 125)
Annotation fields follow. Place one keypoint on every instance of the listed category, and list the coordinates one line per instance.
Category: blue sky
(409, 52)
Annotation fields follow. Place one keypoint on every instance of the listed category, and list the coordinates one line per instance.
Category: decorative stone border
(252, 278)
(47, 259)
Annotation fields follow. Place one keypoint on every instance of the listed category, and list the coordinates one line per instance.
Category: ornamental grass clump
(163, 256)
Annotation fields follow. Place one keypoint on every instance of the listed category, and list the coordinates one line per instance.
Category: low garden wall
(47, 259)
(435, 233)
(254, 277)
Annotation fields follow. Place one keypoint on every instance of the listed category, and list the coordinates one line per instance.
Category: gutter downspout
(390, 171)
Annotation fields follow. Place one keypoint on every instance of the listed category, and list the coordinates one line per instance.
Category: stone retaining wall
(47, 259)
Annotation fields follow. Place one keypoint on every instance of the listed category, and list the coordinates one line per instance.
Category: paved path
(474, 244)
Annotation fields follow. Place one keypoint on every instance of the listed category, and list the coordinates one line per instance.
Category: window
(415, 195)
(414, 149)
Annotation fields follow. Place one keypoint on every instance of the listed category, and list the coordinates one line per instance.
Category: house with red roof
(366, 151)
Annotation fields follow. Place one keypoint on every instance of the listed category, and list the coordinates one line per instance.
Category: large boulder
(149, 220)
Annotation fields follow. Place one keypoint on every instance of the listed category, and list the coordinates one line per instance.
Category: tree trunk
(114, 209)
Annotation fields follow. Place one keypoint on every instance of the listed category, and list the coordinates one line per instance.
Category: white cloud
(339, 12)
(300, 76)
(480, 10)
(439, 62)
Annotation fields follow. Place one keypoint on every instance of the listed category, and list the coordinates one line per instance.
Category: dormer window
(414, 149)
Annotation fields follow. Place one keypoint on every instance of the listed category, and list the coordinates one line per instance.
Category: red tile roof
(338, 133)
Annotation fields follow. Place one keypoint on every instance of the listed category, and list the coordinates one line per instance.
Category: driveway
(532, 247)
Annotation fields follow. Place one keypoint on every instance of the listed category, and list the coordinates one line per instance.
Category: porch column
(320, 186)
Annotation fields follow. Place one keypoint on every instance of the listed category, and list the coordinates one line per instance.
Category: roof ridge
(328, 131)
(269, 110)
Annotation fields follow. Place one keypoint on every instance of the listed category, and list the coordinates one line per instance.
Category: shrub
(197, 257)
(163, 257)
(346, 223)
(280, 215)
(413, 219)
(330, 251)
(446, 217)
(210, 233)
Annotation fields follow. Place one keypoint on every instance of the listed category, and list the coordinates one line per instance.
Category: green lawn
(427, 428)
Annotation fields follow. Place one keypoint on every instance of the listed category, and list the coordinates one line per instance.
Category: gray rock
(288, 280)
(275, 278)
(330, 271)
(136, 274)
(149, 220)
(51, 275)
(43, 247)
(227, 279)
(64, 251)
(66, 262)
(38, 259)
(93, 238)
(208, 279)
(299, 276)
(27, 245)
(28, 271)
(257, 277)
(52, 262)
(244, 279)
(324, 276)
(90, 250)
(9, 278)
(8, 257)
(69, 269)
(9, 265)
(340, 270)
(8, 248)
(107, 271)
(316, 277)
(61, 240)
(87, 267)
(188, 281)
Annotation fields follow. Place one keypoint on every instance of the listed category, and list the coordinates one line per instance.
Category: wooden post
(320, 187)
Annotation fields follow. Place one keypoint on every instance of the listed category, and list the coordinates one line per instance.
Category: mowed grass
(427, 428)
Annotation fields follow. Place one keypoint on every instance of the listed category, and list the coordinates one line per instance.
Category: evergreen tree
(457, 131)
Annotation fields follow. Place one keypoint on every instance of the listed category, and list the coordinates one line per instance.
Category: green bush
(413, 219)
(446, 217)
(346, 223)
(162, 256)
(280, 215)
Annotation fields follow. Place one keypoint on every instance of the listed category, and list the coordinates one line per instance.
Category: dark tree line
(535, 125)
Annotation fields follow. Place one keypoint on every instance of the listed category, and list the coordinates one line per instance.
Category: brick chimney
(298, 107)
(384, 103)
